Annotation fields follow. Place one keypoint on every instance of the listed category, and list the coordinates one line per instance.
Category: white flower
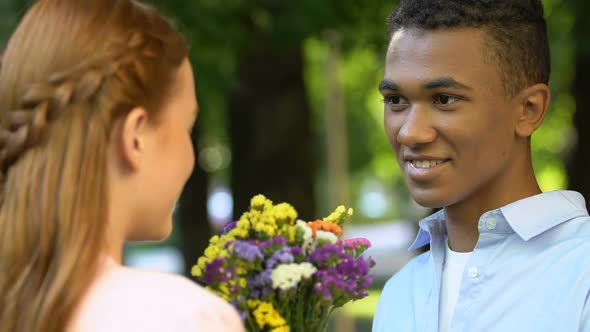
(307, 235)
(326, 237)
(307, 231)
(287, 276)
(307, 270)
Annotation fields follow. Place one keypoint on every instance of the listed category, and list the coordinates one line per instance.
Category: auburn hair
(71, 69)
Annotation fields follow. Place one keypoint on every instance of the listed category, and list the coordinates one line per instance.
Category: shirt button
(491, 223)
(473, 272)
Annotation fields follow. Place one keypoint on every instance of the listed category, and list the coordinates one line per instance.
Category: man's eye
(446, 99)
(395, 100)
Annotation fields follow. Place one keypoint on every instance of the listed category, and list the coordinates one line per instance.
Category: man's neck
(462, 218)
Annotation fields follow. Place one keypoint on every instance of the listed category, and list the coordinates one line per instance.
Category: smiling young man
(465, 87)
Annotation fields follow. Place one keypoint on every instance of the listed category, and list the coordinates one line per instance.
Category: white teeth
(425, 163)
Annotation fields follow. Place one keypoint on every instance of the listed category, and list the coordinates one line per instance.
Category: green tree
(579, 163)
(250, 56)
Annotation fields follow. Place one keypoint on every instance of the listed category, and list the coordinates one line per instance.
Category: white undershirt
(453, 268)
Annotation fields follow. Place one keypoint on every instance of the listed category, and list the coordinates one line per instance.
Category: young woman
(97, 103)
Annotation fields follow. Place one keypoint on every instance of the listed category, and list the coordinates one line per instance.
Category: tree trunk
(579, 163)
(335, 126)
(270, 130)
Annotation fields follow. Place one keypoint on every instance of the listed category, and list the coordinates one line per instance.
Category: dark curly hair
(516, 32)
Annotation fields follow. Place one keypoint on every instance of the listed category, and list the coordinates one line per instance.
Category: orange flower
(320, 225)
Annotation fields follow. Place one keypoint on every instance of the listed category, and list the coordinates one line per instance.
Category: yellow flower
(240, 270)
(239, 232)
(266, 314)
(196, 271)
(265, 229)
(285, 213)
(244, 224)
(253, 216)
(243, 234)
(260, 202)
(340, 215)
(216, 249)
(223, 287)
(268, 218)
(214, 239)
(253, 303)
(284, 328)
(292, 231)
(218, 293)
(211, 252)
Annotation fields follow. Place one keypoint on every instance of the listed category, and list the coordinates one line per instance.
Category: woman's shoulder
(140, 283)
(124, 299)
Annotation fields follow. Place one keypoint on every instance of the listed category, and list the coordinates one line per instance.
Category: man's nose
(417, 128)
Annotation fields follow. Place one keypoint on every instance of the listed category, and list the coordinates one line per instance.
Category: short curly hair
(516, 32)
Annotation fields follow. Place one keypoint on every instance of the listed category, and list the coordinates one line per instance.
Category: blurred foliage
(9, 14)
(218, 29)
(553, 142)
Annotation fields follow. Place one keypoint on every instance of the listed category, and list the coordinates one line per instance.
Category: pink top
(125, 299)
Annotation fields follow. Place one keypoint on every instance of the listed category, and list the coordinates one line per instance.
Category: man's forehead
(415, 38)
(448, 48)
(420, 57)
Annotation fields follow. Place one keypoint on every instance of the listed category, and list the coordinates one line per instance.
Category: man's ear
(132, 138)
(532, 105)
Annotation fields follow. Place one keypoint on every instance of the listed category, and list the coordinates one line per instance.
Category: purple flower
(371, 262)
(247, 251)
(280, 240)
(327, 253)
(265, 244)
(333, 282)
(344, 278)
(216, 272)
(296, 251)
(229, 226)
(354, 267)
(260, 284)
(367, 282)
(323, 289)
(281, 256)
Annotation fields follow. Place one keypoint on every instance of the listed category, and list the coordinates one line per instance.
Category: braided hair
(70, 70)
(41, 104)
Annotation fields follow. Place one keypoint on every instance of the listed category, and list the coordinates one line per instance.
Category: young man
(465, 87)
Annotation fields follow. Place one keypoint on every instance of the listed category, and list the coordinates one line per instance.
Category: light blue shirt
(530, 271)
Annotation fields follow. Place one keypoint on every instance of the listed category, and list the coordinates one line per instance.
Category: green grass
(365, 308)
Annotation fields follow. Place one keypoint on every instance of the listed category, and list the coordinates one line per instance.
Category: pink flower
(356, 242)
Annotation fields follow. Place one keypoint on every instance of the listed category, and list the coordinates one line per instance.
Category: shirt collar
(431, 224)
(528, 217)
(534, 215)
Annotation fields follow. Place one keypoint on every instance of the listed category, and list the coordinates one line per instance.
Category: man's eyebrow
(445, 82)
(388, 85)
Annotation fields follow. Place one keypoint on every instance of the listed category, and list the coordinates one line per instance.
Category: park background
(290, 109)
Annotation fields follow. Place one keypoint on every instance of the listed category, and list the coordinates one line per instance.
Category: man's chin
(430, 199)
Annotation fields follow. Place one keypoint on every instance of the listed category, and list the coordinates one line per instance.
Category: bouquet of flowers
(285, 274)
